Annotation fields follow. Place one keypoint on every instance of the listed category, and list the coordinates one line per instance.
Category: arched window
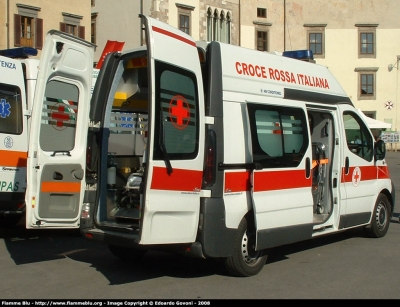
(228, 28)
(209, 25)
(222, 26)
(218, 25)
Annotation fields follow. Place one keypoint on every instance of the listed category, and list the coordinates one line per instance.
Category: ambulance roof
(270, 74)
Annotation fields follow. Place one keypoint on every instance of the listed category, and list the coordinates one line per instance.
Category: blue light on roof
(18, 53)
(299, 54)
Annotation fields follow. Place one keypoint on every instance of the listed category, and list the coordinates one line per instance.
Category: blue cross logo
(4, 108)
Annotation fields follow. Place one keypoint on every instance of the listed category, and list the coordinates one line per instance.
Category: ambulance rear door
(281, 180)
(175, 137)
(57, 143)
(359, 170)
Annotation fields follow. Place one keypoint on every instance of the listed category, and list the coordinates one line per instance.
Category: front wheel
(380, 218)
(245, 260)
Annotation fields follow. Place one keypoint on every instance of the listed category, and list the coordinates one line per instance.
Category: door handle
(78, 174)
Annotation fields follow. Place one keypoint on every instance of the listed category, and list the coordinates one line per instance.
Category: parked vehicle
(18, 74)
(207, 149)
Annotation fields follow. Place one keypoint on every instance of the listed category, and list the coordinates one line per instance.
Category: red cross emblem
(60, 116)
(356, 177)
(179, 112)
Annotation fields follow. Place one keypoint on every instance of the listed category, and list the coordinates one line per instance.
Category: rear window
(10, 109)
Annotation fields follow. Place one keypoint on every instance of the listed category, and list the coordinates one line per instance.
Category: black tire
(126, 253)
(9, 221)
(380, 220)
(245, 260)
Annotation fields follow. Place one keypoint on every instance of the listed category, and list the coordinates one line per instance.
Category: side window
(184, 17)
(262, 40)
(71, 25)
(59, 117)
(366, 40)
(315, 43)
(316, 39)
(93, 34)
(10, 109)
(261, 12)
(176, 113)
(359, 140)
(279, 135)
(367, 44)
(28, 28)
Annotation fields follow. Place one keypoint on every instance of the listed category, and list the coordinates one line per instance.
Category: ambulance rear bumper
(130, 240)
(12, 203)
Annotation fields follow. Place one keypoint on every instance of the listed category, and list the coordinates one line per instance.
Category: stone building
(357, 40)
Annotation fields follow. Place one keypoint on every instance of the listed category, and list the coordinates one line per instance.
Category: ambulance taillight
(88, 155)
(85, 212)
(209, 169)
(209, 163)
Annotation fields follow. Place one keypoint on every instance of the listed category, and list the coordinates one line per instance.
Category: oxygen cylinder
(111, 170)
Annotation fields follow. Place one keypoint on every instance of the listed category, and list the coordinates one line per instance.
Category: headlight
(134, 182)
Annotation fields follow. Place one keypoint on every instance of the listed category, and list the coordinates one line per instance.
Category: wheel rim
(381, 216)
(249, 254)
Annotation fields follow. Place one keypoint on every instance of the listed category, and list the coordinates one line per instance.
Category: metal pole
(284, 25)
(240, 23)
(141, 23)
(8, 24)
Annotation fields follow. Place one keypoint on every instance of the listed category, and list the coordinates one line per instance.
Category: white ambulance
(18, 73)
(207, 149)
(17, 83)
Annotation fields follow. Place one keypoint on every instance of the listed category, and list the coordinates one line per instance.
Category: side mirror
(380, 150)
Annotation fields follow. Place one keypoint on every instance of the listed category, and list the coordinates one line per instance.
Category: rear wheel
(245, 260)
(126, 253)
(380, 218)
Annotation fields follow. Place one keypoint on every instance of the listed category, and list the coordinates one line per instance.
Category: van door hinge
(209, 120)
(93, 124)
(28, 113)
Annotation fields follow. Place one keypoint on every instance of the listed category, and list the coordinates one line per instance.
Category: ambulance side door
(57, 143)
(176, 137)
(281, 180)
(359, 172)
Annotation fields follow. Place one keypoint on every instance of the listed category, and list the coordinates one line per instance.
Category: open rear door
(57, 144)
(176, 137)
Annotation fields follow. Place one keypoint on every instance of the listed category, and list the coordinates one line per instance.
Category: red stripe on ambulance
(178, 180)
(237, 182)
(266, 181)
(280, 180)
(383, 172)
(366, 173)
(167, 33)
